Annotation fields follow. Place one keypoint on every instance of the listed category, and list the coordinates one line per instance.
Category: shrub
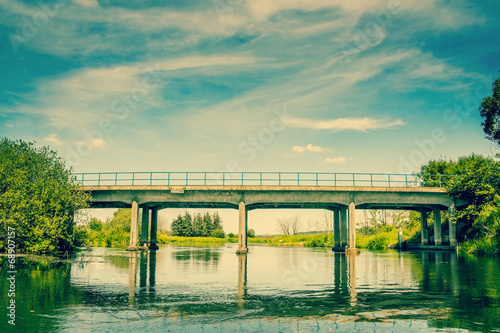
(218, 233)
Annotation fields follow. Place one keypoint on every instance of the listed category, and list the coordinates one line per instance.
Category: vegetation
(114, 231)
(199, 226)
(490, 111)
(479, 184)
(38, 198)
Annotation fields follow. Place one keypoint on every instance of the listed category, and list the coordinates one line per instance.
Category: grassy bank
(384, 237)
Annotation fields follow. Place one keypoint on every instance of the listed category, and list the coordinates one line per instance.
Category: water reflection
(242, 278)
(203, 256)
(269, 289)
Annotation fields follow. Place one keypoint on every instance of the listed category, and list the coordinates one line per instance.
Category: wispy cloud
(335, 160)
(52, 139)
(311, 148)
(342, 124)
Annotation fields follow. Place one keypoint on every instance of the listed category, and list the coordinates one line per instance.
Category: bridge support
(134, 227)
(336, 227)
(424, 240)
(352, 228)
(343, 227)
(154, 229)
(452, 225)
(242, 229)
(437, 227)
(145, 226)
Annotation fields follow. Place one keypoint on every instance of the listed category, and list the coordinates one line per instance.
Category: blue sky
(285, 85)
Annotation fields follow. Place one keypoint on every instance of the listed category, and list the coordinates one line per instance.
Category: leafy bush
(218, 233)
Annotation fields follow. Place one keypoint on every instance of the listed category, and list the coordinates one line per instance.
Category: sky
(236, 85)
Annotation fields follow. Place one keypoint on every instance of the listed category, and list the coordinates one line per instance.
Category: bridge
(341, 193)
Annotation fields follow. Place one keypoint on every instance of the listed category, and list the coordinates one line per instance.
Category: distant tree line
(198, 226)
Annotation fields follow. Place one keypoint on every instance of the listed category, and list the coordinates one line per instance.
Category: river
(272, 289)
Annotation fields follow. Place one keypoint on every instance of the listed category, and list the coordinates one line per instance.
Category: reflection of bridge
(353, 275)
(340, 193)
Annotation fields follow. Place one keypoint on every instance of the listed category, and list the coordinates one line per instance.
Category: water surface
(272, 289)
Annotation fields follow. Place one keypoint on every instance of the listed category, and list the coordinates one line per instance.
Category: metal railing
(262, 178)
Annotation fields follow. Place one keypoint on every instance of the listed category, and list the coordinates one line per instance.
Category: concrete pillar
(424, 239)
(144, 226)
(452, 225)
(336, 227)
(242, 229)
(352, 226)
(154, 229)
(134, 227)
(437, 227)
(343, 227)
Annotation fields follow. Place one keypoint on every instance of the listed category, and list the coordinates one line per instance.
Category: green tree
(38, 198)
(251, 233)
(479, 184)
(199, 227)
(490, 111)
(217, 221)
(95, 224)
(183, 225)
(209, 224)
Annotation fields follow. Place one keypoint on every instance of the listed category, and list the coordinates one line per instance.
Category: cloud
(335, 160)
(94, 142)
(311, 148)
(51, 139)
(342, 124)
(9, 125)
(87, 3)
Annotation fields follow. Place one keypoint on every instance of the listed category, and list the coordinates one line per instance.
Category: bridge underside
(343, 201)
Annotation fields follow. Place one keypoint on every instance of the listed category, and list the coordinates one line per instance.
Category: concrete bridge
(341, 193)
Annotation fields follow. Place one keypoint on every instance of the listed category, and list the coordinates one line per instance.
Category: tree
(251, 233)
(289, 226)
(38, 198)
(182, 226)
(490, 111)
(217, 221)
(478, 184)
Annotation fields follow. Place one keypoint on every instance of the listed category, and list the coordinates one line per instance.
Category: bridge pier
(424, 240)
(134, 227)
(145, 226)
(452, 225)
(154, 229)
(336, 227)
(437, 227)
(343, 227)
(242, 229)
(352, 228)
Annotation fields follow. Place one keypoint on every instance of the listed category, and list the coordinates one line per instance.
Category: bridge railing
(262, 178)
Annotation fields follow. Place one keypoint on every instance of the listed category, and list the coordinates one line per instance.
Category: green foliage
(231, 235)
(199, 226)
(114, 231)
(218, 233)
(250, 233)
(479, 184)
(490, 111)
(38, 197)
